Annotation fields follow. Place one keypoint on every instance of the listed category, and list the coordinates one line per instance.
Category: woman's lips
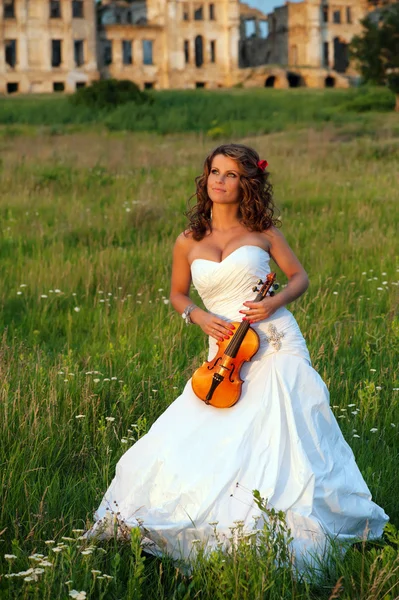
(218, 190)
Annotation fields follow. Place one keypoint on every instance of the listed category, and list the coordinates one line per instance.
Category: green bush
(108, 93)
(371, 98)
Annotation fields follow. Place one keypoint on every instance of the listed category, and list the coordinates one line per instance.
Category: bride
(197, 465)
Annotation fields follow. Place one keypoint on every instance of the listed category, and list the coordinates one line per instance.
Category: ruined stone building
(170, 44)
(59, 45)
(309, 39)
(47, 45)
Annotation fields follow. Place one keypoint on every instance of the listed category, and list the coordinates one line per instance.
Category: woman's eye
(231, 175)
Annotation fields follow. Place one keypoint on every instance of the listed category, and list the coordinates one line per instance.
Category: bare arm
(180, 288)
(298, 281)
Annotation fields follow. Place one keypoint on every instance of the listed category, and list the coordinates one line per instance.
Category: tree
(376, 50)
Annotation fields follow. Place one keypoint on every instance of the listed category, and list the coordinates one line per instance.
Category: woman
(198, 464)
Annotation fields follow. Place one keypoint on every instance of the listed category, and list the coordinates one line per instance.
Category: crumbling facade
(174, 44)
(307, 44)
(47, 45)
(59, 45)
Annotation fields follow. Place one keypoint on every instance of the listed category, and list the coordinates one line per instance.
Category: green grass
(88, 220)
(236, 112)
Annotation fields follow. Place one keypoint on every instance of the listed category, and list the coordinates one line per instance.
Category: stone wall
(194, 44)
(46, 48)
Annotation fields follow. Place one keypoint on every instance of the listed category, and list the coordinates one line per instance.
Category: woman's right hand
(212, 325)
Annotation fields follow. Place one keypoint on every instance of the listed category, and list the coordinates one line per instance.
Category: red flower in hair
(262, 164)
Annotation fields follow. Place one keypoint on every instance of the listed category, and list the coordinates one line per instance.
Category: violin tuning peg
(259, 282)
(276, 286)
(271, 294)
(255, 289)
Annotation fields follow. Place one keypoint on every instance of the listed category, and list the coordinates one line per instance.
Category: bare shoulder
(274, 236)
(183, 243)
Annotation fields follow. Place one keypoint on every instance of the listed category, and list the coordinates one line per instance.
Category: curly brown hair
(256, 210)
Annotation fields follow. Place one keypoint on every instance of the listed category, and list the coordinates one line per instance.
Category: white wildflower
(44, 296)
(76, 309)
(96, 380)
(373, 429)
(373, 370)
(24, 573)
(19, 293)
(96, 572)
(378, 387)
(57, 291)
(68, 539)
(110, 419)
(9, 556)
(45, 563)
(58, 549)
(355, 435)
(23, 285)
(335, 293)
(114, 378)
(77, 595)
(123, 441)
(393, 425)
(80, 416)
(106, 379)
(49, 542)
(87, 552)
(166, 301)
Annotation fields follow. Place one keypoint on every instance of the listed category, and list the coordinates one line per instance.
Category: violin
(217, 382)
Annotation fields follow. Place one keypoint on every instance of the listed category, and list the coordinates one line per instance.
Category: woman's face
(223, 184)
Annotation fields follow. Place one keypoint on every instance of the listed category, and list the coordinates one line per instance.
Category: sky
(265, 5)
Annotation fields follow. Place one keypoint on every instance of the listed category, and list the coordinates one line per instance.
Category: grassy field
(91, 352)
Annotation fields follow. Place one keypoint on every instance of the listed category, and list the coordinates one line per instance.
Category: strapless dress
(198, 465)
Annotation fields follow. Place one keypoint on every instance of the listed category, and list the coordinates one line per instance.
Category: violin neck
(237, 339)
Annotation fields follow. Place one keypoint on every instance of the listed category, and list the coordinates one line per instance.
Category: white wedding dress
(199, 464)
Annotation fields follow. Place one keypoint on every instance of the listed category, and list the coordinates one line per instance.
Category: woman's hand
(258, 311)
(212, 325)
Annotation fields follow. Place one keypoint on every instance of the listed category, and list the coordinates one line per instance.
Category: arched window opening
(294, 80)
(199, 51)
(329, 81)
(294, 55)
(270, 81)
(341, 55)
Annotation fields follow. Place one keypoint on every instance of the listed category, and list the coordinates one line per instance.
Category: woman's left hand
(258, 311)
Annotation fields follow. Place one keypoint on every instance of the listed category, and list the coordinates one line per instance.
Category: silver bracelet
(186, 314)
